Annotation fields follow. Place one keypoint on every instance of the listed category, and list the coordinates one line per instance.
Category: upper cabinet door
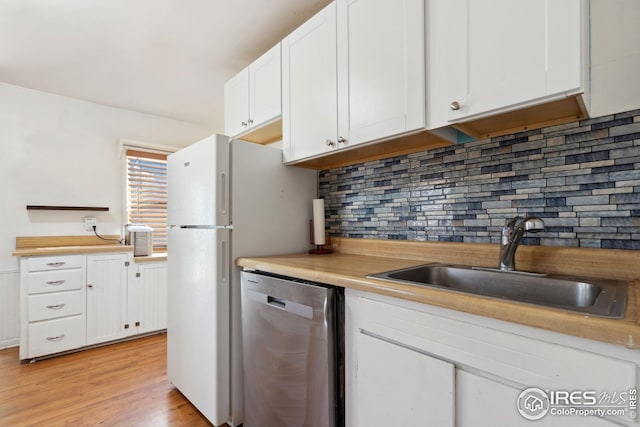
(500, 55)
(265, 88)
(309, 87)
(252, 98)
(381, 68)
(501, 52)
(236, 103)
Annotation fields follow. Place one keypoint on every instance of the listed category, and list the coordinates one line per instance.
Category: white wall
(62, 151)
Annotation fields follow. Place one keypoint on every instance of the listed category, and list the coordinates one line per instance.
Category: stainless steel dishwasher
(293, 352)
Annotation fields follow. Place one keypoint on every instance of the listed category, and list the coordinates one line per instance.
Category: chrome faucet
(511, 235)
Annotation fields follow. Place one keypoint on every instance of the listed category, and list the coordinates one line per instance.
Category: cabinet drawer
(56, 335)
(53, 281)
(54, 305)
(527, 361)
(53, 262)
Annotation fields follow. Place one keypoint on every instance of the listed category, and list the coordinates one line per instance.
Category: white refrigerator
(226, 199)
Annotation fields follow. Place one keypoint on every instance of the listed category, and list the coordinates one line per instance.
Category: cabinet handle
(56, 306)
(330, 143)
(56, 264)
(55, 282)
(56, 338)
(89, 285)
(455, 105)
(341, 140)
(244, 124)
(250, 121)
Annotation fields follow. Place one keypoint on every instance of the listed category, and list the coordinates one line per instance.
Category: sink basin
(598, 297)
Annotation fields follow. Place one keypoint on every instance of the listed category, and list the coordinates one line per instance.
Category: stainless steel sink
(598, 297)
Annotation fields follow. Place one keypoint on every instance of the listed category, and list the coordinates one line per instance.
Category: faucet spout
(512, 234)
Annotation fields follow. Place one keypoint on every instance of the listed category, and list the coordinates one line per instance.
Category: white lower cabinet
(55, 336)
(147, 302)
(52, 305)
(106, 297)
(72, 301)
(484, 402)
(421, 385)
(412, 364)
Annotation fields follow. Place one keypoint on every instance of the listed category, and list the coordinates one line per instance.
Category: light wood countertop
(72, 250)
(155, 257)
(349, 270)
(67, 245)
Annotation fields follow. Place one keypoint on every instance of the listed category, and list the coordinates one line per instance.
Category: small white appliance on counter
(225, 200)
(140, 236)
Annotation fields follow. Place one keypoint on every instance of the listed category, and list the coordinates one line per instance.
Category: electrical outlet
(89, 222)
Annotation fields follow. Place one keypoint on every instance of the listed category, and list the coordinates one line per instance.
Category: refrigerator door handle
(223, 260)
(224, 186)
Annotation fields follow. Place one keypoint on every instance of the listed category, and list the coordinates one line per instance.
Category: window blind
(147, 193)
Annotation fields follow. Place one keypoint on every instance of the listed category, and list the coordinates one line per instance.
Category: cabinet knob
(330, 143)
(455, 105)
(341, 140)
(89, 286)
(244, 124)
(250, 121)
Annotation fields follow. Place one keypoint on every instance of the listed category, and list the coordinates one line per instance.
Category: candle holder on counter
(318, 236)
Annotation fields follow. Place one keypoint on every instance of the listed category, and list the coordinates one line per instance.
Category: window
(147, 193)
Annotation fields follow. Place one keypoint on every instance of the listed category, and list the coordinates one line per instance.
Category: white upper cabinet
(371, 87)
(615, 57)
(236, 103)
(497, 56)
(381, 68)
(309, 89)
(252, 98)
(265, 88)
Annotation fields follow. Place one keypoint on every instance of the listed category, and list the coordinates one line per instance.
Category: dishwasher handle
(282, 304)
(277, 302)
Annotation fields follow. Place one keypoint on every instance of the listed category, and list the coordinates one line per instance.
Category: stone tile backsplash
(581, 178)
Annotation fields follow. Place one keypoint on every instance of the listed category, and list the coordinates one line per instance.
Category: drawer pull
(56, 264)
(56, 306)
(56, 338)
(55, 282)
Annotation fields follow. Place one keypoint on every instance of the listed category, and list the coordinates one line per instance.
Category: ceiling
(164, 57)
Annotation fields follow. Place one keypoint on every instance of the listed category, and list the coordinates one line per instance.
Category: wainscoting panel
(9, 308)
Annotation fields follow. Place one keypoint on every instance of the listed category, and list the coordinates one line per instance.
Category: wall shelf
(65, 208)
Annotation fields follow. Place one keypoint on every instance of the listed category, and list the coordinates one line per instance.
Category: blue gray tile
(582, 178)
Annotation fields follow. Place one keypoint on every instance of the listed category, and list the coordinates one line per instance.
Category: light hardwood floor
(123, 384)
